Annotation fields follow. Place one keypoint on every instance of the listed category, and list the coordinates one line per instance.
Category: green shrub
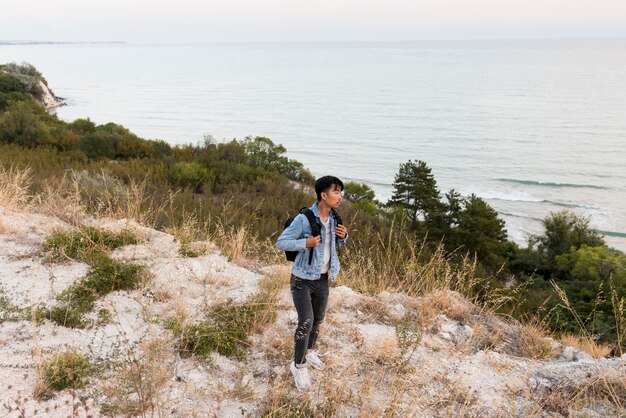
(229, 326)
(107, 275)
(191, 175)
(97, 145)
(83, 126)
(65, 315)
(9, 84)
(8, 311)
(86, 243)
(66, 370)
(27, 75)
(22, 124)
(204, 338)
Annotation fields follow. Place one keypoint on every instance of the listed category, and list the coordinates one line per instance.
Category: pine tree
(415, 190)
(482, 232)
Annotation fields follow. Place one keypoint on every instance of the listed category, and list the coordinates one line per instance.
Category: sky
(308, 20)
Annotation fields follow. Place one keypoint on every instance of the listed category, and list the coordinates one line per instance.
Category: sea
(531, 126)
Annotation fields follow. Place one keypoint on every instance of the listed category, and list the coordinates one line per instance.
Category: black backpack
(315, 228)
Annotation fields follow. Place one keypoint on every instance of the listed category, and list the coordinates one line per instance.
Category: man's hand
(313, 241)
(341, 231)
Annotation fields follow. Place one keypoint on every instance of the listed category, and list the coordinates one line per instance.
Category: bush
(230, 324)
(85, 243)
(66, 370)
(21, 123)
(107, 275)
(191, 175)
(9, 84)
(98, 145)
(27, 75)
(204, 338)
(83, 126)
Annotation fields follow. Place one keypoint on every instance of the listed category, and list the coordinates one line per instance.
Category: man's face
(333, 196)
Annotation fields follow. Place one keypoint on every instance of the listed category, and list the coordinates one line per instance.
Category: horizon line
(171, 42)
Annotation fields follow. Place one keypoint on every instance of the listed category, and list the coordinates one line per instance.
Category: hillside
(141, 279)
(387, 355)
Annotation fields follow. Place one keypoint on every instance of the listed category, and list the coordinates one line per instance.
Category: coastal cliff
(47, 98)
(34, 83)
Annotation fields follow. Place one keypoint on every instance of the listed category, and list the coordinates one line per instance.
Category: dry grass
(500, 363)
(137, 384)
(454, 399)
(374, 310)
(106, 196)
(186, 231)
(597, 350)
(605, 394)
(14, 187)
(533, 342)
(444, 302)
(5, 229)
(486, 337)
(61, 198)
(619, 312)
(608, 387)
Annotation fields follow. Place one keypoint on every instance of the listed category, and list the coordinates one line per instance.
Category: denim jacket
(294, 238)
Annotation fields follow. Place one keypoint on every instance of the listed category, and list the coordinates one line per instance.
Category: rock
(48, 99)
(575, 354)
(452, 330)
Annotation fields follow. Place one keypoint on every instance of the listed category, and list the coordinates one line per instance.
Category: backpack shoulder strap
(338, 220)
(315, 228)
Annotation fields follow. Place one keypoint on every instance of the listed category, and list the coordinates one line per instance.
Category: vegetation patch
(137, 383)
(107, 276)
(8, 311)
(229, 325)
(65, 370)
(86, 243)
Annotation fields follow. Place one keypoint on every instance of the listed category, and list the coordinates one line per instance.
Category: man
(310, 281)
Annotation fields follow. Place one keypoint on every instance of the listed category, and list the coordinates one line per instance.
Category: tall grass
(586, 339)
(14, 187)
(400, 262)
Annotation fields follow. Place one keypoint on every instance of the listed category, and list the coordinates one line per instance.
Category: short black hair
(324, 183)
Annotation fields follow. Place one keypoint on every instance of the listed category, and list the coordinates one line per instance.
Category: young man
(310, 281)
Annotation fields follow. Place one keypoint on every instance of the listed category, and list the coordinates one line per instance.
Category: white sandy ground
(444, 375)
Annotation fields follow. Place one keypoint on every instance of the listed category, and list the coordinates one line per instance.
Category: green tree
(415, 190)
(564, 230)
(363, 197)
(482, 232)
(592, 263)
(357, 192)
(83, 126)
(454, 207)
(263, 152)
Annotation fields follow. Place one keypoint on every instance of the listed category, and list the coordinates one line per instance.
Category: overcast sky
(307, 20)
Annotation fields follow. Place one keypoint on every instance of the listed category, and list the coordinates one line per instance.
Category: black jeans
(310, 298)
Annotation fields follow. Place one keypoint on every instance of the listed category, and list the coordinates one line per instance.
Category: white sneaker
(314, 360)
(301, 376)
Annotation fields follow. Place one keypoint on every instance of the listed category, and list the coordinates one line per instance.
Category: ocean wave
(519, 215)
(616, 234)
(552, 184)
(507, 196)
